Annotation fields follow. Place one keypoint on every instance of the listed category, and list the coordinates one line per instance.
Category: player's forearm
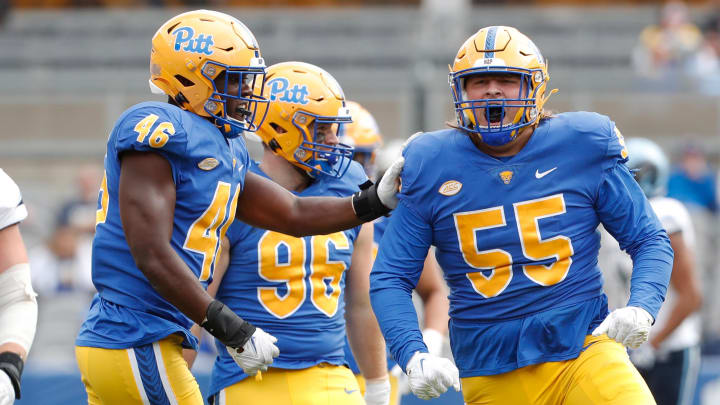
(322, 215)
(174, 281)
(652, 266)
(436, 313)
(367, 343)
(397, 318)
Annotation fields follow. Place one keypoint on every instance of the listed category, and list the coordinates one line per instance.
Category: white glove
(433, 340)
(643, 357)
(377, 391)
(389, 185)
(403, 385)
(430, 376)
(258, 352)
(7, 392)
(629, 326)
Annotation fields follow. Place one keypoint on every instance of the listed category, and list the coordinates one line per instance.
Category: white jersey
(12, 209)
(617, 269)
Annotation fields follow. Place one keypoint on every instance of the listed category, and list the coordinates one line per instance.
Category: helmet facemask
(316, 156)
(235, 98)
(487, 116)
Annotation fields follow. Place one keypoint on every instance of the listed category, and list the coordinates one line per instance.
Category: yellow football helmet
(364, 135)
(499, 49)
(201, 59)
(302, 97)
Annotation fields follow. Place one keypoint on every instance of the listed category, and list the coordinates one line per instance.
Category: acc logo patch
(506, 176)
(450, 188)
(280, 90)
(199, 44)
(208, 163)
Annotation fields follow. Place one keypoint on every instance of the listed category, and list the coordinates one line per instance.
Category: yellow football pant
(394, 396)
(323, 384)
(151, 374)
(602, 374)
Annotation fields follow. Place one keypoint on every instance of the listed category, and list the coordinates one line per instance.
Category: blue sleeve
(395, 273)
(628, 216)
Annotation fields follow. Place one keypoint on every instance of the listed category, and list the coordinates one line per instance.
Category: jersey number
(527, 214)
(159, 136)
(203, 235)
(325, 274)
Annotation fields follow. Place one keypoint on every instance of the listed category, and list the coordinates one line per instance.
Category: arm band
(367, 205)
(12, 365)
(227, 326)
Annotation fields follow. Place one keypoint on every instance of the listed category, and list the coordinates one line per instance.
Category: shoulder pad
(152, 127)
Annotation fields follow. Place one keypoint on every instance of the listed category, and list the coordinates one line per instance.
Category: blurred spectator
(79, 211)
(669, 47)
(64, 261)
(706, 64)
(693, 182)
(59, 268)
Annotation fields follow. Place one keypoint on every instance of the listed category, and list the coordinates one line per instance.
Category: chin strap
(545, 99)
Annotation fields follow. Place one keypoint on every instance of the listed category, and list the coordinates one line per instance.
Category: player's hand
(643, 357)
(389, 184)
(7, 392)
(377, 391)
(629, 326)
(430, 376)
(258, 353)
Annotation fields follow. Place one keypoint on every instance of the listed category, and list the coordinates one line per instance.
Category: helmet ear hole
(184, 80)
(277, 128)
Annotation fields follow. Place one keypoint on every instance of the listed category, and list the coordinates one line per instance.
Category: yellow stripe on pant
(601, 374)
(323, 384)
(151, 374)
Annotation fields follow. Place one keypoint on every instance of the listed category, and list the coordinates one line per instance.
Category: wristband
(12, 364)
(367, 204)
(227, 326)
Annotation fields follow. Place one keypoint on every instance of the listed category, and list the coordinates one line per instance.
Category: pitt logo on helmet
(279, 90)
(199, 44)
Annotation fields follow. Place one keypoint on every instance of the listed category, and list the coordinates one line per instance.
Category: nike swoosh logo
(347, 391)
(540, 175)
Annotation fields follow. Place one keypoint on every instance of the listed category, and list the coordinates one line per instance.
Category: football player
(302, 290)
(18, 306)
(670, 359)
(176, 176)
(511, 198)
(364, 133)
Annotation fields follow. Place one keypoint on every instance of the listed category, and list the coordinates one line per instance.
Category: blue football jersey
(292, 288)
(516, 239)
(208, 170)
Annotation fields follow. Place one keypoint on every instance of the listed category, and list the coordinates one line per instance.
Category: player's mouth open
(494, 115)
